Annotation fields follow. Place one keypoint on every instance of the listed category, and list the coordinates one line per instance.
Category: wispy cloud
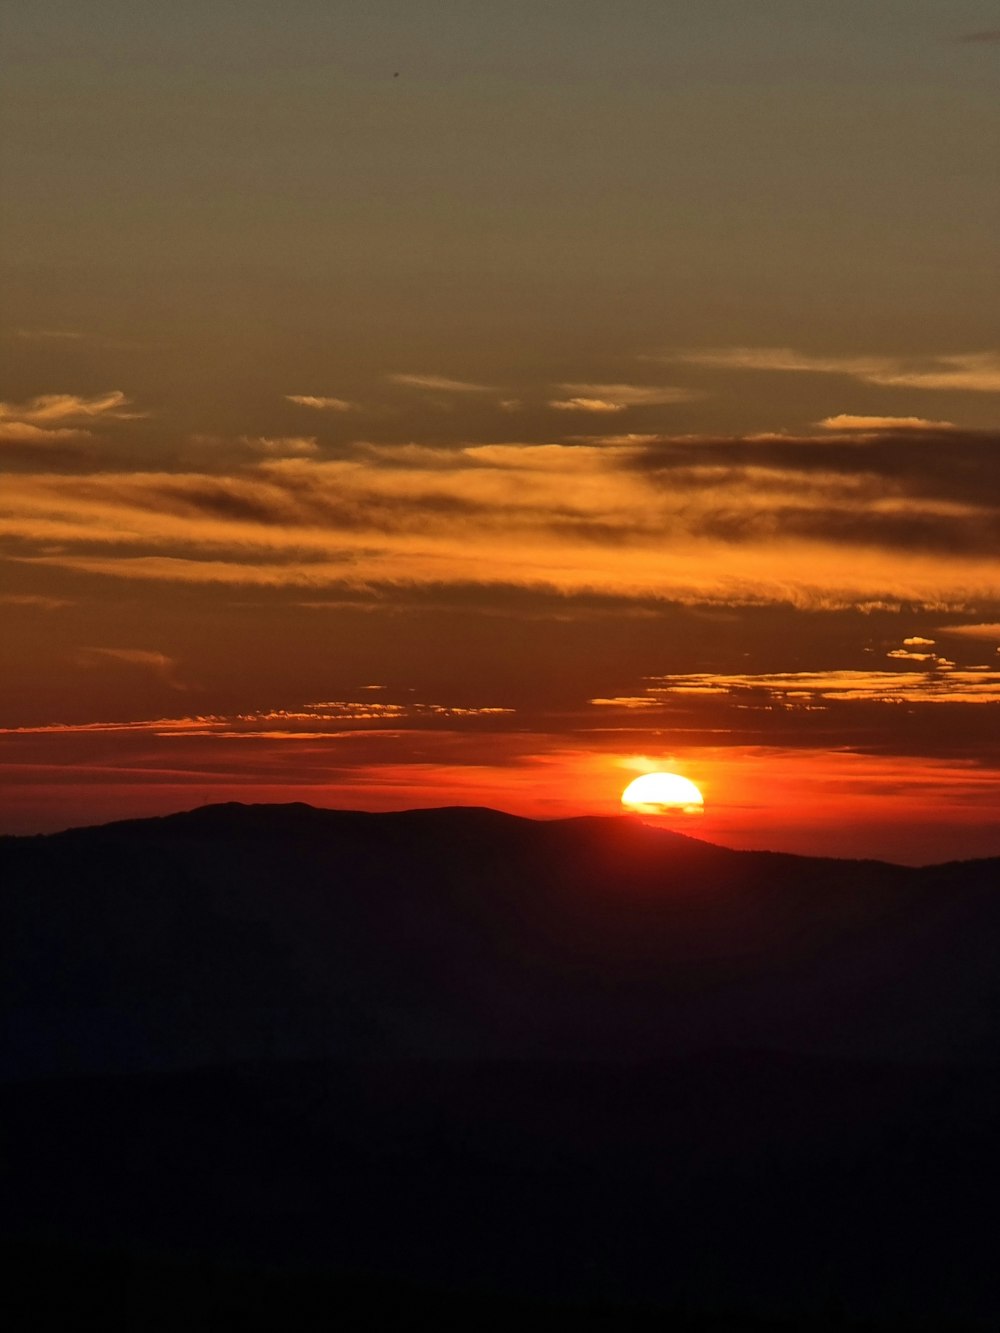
(989, 633)
(158, 663)
(618, 397)
(36, 600)
(987, 35)
(794, 690)
(24, 432)
(49, 335)
(976, 372)
(585, 405)
(52, 408)
(847, 421)
(281, 446)
(330, 717)
(817, 520)
(972, 372)
(321, 402)
(440, 384)
(56, 419)
(908, 655)
(626, 438)
(774, 359)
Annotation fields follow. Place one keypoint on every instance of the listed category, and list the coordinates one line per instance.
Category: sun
(663, 794)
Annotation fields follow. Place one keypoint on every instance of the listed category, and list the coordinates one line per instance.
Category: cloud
(618, 397)
(973, 372)
(38, 600)
(796, 690)
(627, 438)
(282, 446)
(951, 466)
(775, 359)
(49, 335)
(848, 422)
(918, 641)
(23, 432)
(910, 656)
(52, 408)
(988, 632)
(91, 339)
(629, 702)
(440, 384)
(585, 405)
(327, 718)
(46, 420)
(988, 35)
(158, 663)
(321, 403)
(900, 517)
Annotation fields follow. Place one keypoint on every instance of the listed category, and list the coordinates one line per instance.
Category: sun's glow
(663, 793)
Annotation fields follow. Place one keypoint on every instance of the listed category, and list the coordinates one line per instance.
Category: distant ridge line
(225, 813)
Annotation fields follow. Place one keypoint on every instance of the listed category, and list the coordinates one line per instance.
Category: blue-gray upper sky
(818, 173)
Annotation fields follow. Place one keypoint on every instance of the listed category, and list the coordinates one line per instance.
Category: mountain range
(460, 1064)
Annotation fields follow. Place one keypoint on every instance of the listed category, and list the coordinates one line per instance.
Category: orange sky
(589, 395)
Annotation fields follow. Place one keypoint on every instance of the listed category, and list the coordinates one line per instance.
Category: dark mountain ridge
(286, 1067)
(243, 932)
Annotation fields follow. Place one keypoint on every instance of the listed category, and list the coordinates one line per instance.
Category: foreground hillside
(725, 1193)
(272, 1067)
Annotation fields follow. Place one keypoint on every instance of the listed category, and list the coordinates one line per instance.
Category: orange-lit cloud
(24, 432)
(908, 655)
(40, 600)
(439, 384)
(282, 446)
(941, 685)
(146, 659)
(973, 372)
(848, 422)
(618, 397)
(55, 419)
(51, 408)
(585, 405)
(988, 632)
(635, 438)
(49, 335)
(321, 403)
(326, 718)
(726, 520)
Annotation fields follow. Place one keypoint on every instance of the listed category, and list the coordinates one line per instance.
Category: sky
(433, 403)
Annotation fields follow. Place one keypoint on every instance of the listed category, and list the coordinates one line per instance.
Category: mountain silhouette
(269, 1064)
(239, 932)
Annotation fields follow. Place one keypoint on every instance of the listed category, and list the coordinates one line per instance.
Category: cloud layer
(909, 514)
(618, 397)
(320, 403)
(971, 372)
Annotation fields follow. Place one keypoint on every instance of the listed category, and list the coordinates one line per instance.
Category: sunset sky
(422, 403)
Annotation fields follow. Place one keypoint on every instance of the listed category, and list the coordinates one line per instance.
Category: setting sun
(663, 793)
